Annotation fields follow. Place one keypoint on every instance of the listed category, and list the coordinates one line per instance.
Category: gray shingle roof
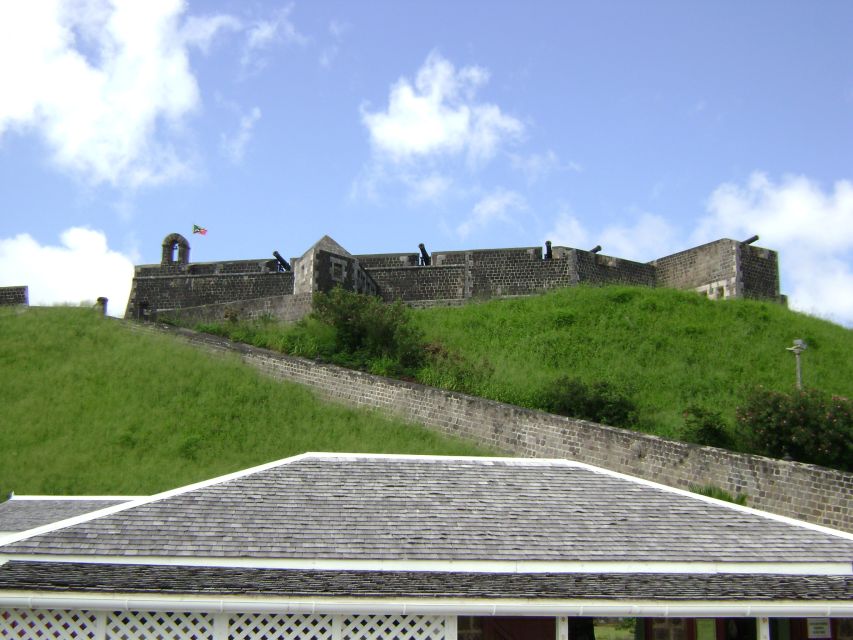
(20, 514)
(171, 580)
(398, 508)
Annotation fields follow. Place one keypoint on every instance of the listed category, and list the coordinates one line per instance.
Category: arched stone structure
(173, 244)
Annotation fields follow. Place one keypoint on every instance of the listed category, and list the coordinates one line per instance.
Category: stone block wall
(207, 268)
(14, 295)
(759, 272)
(287, 308)
(596, 268)
(721, 269)
(491, 273)
(710, 268)
(381, 260)
(176, 288)
(805, 492)
(505, 272)
(498, 273)
(411, 284)
(333, 270)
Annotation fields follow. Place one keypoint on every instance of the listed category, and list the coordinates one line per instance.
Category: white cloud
(200, 31)
(82, 268)
(438, 115)
(428, 188)
(330, 52)
(650, 236)
(537, 166)
(811, 227)
(262, 35)
(104, 84)
(496, 206)
(568, 231)
(234, 147)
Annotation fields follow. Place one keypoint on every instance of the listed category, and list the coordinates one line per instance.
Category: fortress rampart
(14, 296)
(246, 288)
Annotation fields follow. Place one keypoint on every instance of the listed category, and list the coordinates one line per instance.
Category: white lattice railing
(49, 624)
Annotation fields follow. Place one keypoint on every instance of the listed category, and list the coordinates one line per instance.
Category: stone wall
(412, 284)
(14, 295)
(721, 269)
(334, 270)
(597, 268)
(759, 272)
(288, 308)
(711, 268)
(380, 260)
(806, 492)
(176, 287)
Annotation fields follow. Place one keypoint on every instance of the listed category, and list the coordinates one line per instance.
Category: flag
(198, 229)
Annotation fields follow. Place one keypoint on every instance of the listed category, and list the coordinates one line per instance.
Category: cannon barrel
(548, 254)
(751, 239)
(425, 259)
(284, 263)
(595, 249)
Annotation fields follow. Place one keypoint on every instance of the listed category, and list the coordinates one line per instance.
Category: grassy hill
(667, 349)
(90, 407)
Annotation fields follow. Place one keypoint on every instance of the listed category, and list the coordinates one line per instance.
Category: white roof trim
(614, 474)
(429, 606)
(524, 462)
(477, 566)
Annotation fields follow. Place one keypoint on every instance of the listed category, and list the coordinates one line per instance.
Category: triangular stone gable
(326, 243)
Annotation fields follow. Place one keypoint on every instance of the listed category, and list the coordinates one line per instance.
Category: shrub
(706, 427)
(713, 491)
(450, 370)
(599, 402)
(808, 425)
(368, 330)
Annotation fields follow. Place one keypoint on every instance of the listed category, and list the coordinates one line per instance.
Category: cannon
(548, 254)
(425, 259)
(595, 249)
(283, 265)
(751, 239)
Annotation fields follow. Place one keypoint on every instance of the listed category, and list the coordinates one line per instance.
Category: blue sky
(646, 127)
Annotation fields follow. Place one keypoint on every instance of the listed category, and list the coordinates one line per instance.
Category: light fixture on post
(797, 349)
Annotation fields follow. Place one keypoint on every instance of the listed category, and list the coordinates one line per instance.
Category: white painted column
(763, 628)
(220, 626)
(451, 626)
(101, 625)
(562, 628)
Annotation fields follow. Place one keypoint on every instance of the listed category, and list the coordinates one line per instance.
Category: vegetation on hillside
(658, 360)
(89, 407)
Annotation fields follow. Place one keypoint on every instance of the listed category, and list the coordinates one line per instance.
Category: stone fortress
(179, 289)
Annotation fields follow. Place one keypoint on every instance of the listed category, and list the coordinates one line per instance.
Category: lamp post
(797, 349)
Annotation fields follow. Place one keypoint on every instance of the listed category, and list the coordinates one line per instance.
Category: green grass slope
(668, 349)
(89, 407)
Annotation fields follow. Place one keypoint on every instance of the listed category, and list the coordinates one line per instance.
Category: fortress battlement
(177, 287)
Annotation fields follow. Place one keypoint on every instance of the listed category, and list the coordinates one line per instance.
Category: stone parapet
(14, 296)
